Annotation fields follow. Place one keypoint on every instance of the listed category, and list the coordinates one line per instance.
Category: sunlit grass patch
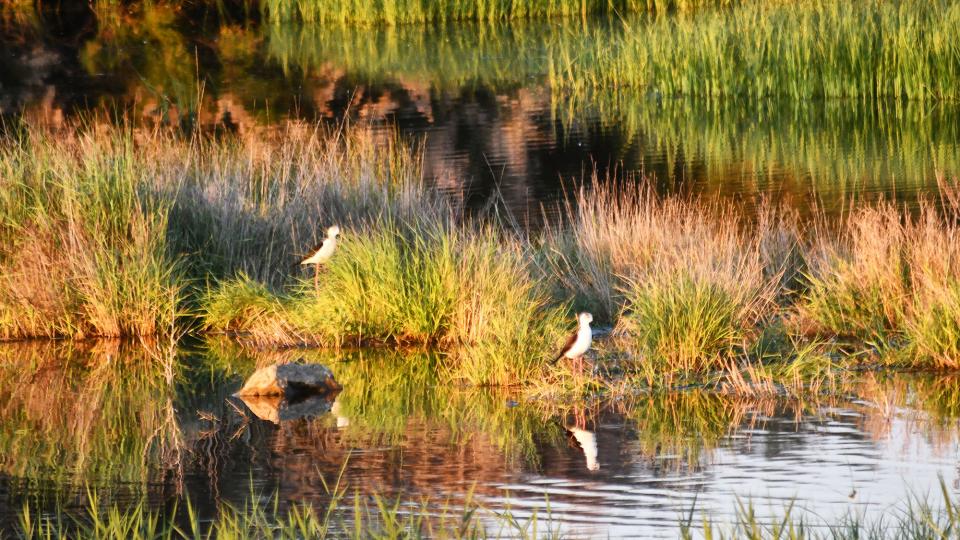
(857, 284)
(83, 248)
(684, 325)
(472, 291)
(392, 12)
(790, 50)
(687, 280)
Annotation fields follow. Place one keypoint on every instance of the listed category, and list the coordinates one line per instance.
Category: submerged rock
(290, 380)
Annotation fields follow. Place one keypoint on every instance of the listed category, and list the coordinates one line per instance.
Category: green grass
(392, 12)
(83, 244)
(347, 515)
(684, 325)
(918, 518)
(798, 50)
(111, 231)
(470, 291)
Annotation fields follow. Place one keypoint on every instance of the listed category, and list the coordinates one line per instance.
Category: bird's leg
(316, 278)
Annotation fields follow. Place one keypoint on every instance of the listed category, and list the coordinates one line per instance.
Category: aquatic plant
(687, 281)
(393, 12)
(920, 517)
(795, 50)
(83, 244)
(889, 279)
(470, 291)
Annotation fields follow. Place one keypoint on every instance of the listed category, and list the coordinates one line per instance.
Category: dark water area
(101, 418)
(481, 99)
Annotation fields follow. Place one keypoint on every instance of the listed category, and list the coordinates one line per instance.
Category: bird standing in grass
(322, 253)
(579, 342)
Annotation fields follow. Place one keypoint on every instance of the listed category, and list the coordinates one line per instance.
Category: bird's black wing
(563, 351)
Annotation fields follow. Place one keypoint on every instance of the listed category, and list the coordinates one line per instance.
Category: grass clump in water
(857, 283)
(468, 290)
(890, 281)
(684, 324)
(686, 281)
(83, 245)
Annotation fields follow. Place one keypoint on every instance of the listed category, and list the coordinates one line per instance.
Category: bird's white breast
(324, 253)
(582, 343)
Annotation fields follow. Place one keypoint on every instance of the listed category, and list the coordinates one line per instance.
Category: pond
(101, 417)
(117, 423)
(482, 99)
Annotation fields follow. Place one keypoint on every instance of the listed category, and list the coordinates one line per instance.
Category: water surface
(104, 415)
(481, 99)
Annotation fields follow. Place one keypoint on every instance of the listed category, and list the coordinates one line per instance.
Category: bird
(579, 342)
(322, 252)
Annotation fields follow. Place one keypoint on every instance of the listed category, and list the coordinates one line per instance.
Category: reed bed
(393, 12)
(83, 243)
(800, 50)
(108, 231)
(469, 291)
(687, 282)
(889, 280)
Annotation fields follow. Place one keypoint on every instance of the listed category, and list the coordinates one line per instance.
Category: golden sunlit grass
(108, 231)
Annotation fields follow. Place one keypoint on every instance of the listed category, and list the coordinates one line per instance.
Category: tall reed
(83, 243)
(688, 282)
(393, 12)
(796, 50)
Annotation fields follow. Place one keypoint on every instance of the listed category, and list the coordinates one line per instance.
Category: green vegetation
(888, 280)
(393, 12)
(117, 232)
(346, 516)
(798, 50)
(83, 244)
(918, 518)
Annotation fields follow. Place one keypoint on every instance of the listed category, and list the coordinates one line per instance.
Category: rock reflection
(278, 409)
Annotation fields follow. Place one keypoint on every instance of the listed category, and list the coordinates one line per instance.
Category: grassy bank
(114, 232)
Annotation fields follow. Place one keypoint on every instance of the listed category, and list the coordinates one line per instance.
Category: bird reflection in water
(586, 439)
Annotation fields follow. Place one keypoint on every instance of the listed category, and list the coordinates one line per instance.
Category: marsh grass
(109, 231)
(83, 247)
(393, 12)
(888, 279)
(347, 515)
(792, 50)
(468, 290)
(687, 281)
(918, 518)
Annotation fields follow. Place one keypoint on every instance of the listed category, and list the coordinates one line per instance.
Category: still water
(481, 99)
(104, 415)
